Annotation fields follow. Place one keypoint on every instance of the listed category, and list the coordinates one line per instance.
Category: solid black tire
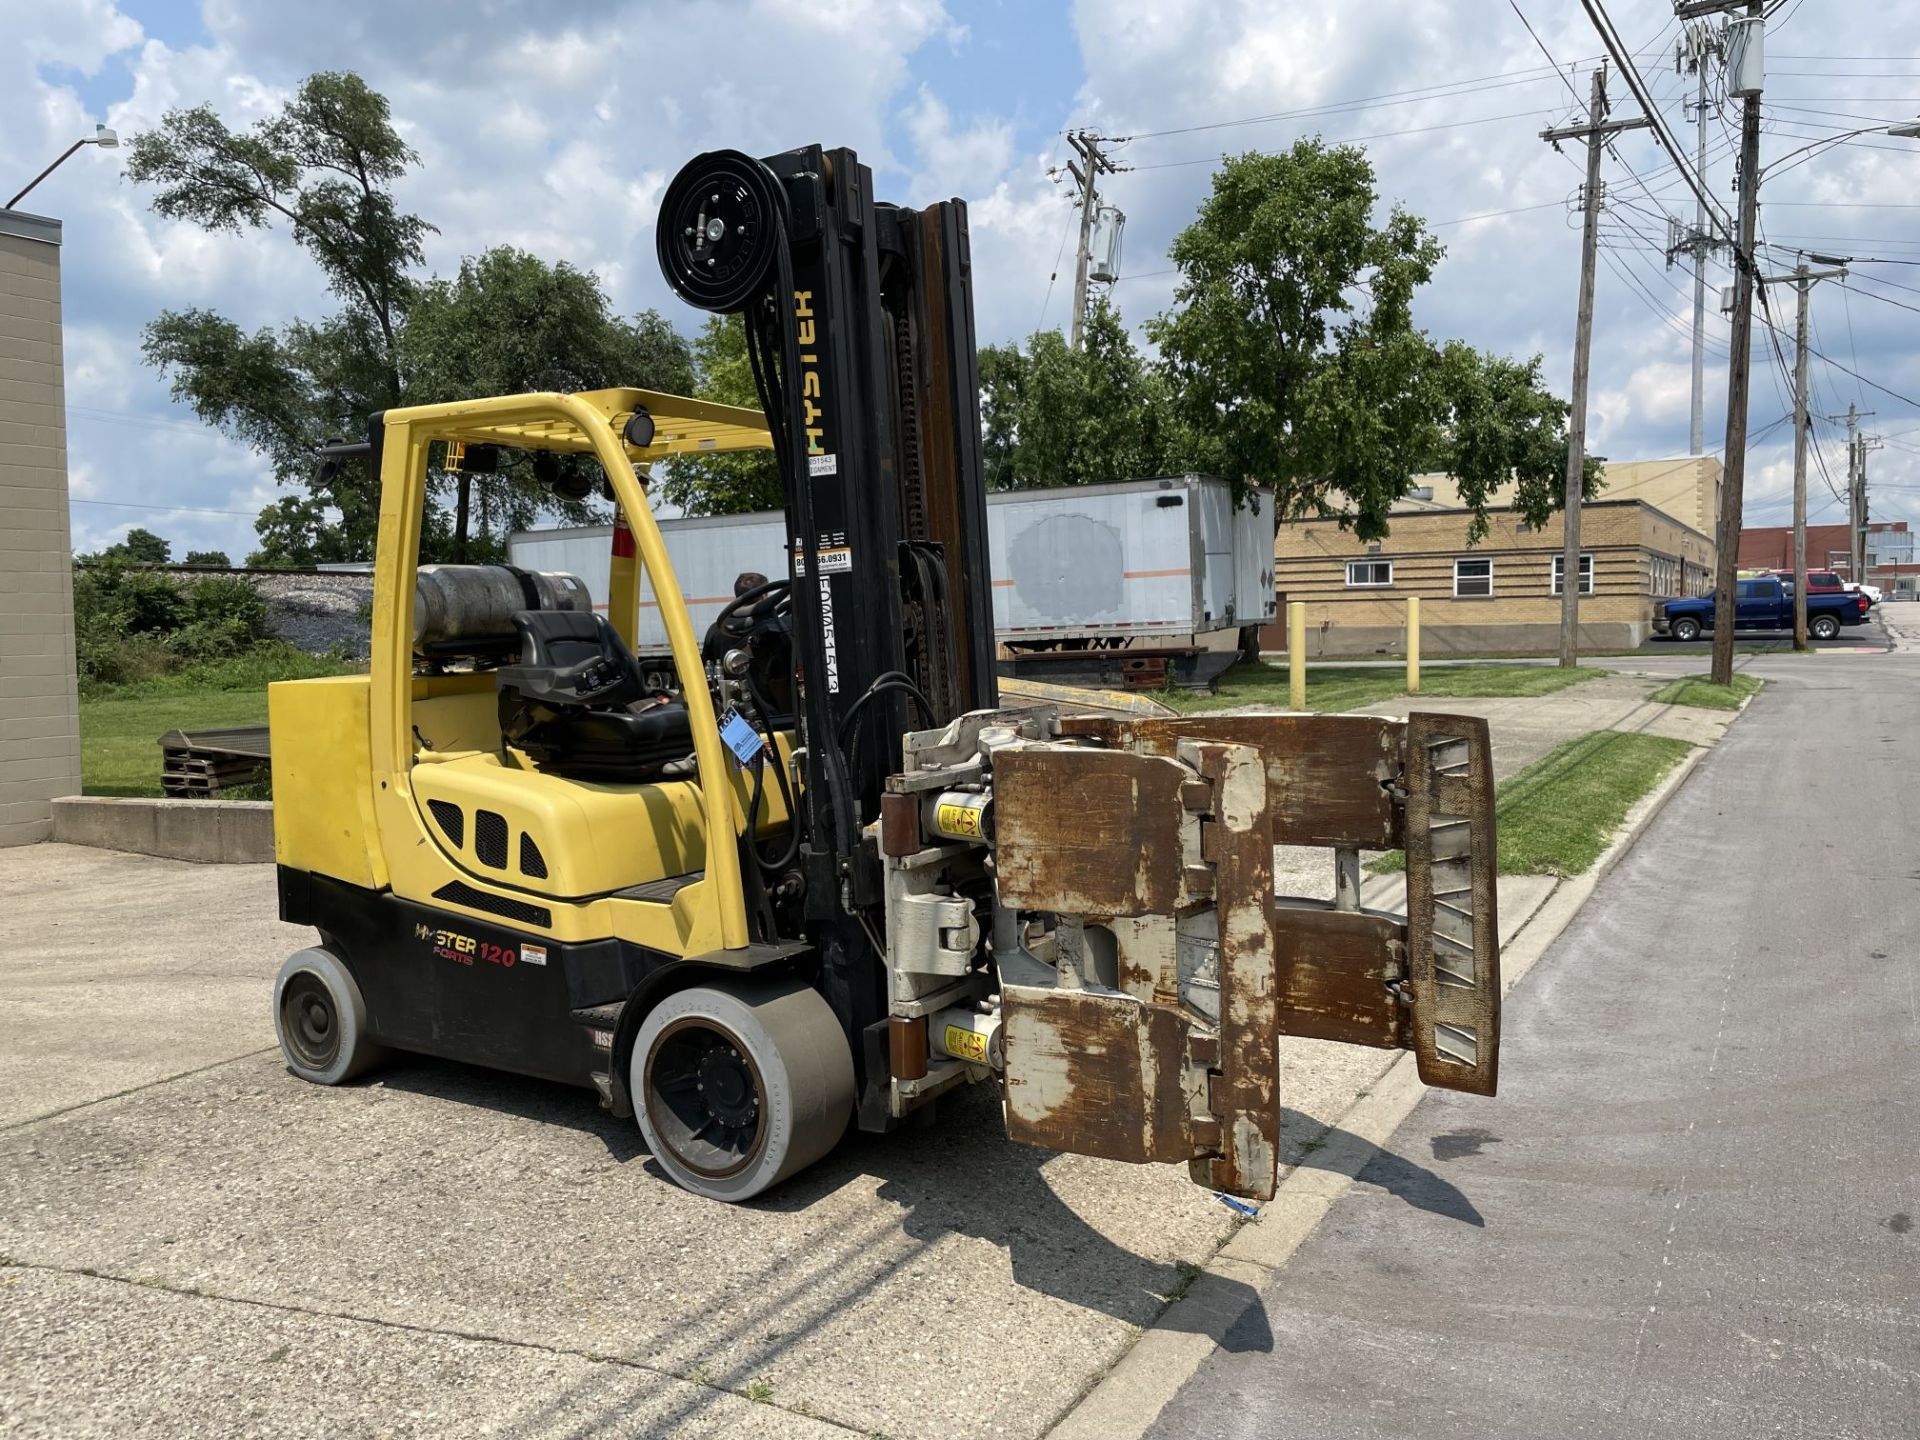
(801, 1063)
(320, 1018)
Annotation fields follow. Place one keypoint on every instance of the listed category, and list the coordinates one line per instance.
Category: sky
(540, 127)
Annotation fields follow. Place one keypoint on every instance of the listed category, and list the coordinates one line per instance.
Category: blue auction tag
(741, 738)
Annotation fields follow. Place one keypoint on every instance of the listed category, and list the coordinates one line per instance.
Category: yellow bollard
(1413, 645)
(1297, 654)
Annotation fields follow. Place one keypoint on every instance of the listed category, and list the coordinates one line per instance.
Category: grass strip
(1559, 814)
(1337, 687)
(1700, 691)
(120, 728)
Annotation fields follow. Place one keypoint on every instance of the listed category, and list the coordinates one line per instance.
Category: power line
(1354, 139)
(163, 509)
(1446, 90)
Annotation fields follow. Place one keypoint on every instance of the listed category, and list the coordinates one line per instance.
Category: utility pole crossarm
(1588, 131)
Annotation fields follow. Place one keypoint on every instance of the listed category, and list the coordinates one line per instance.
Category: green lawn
(1556, 816)
(1700, 690)
(118, 753)
(120, 728)
(1338, 687)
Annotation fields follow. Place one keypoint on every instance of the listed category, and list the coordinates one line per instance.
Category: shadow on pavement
(959, 1176)
(1420, 1187)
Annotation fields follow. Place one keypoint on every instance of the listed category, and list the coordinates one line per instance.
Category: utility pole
(1739, 373)
(1856, 492)
(1596, 132)
(1867, 444)
(1803, 280)
(1701, 43)
(1086, 172)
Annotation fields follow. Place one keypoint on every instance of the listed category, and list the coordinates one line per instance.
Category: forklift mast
(859, 320)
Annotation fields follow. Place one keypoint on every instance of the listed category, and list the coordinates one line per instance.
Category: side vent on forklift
(490, 838)
(458, 892)
(532, 863)
(451, 819)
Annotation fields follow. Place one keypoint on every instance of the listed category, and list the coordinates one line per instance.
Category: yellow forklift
(808, 870)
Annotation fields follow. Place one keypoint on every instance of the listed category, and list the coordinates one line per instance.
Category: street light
(102, 136)
(1906, 130)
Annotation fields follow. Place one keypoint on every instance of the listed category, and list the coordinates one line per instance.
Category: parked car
(1763, 603)
(1819, 582)
(1873, 593)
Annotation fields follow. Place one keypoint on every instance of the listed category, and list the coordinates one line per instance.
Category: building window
(1473, 578)
(1663, 575)
(1369, 574)
(1586, 573)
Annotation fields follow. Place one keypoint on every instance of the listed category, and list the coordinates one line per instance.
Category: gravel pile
(318, 613)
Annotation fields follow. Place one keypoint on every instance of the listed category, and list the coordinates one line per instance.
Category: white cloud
(537, 130)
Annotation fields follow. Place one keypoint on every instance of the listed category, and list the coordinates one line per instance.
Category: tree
(325, 167)
(208, 557)
(509, 324)
(737, 484)
(1052, 416)
(1501, 423)
(1282, 380)
(142, 547)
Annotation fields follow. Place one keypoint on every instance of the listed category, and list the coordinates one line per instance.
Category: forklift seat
(577, 706)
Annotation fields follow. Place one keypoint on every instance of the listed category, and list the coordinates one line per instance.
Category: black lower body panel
(467, 989)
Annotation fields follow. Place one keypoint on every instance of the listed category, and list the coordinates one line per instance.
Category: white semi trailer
(1138, 582)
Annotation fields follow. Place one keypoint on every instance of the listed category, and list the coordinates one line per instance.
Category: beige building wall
(39, 711)
(1639, 555)
(1686, 487)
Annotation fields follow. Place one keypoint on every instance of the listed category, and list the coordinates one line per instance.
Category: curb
(1124, 1403)
(209, 832)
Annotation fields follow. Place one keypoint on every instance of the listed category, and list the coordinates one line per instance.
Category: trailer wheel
(1686, 628)
(738, 1087)
(1823, 627)
(322, 1019)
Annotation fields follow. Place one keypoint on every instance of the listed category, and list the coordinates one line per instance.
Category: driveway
(194, 1242)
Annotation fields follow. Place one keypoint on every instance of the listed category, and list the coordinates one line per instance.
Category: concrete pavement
(1691, 1210)
(442, 1249)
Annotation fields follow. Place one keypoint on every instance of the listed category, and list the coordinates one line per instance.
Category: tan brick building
(1502, 595)
(39, 713)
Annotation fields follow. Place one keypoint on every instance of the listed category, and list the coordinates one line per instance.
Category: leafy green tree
(1290, 348)
(1292, 358)
(1052, 416)
(208, 557)
(738, 484)
(508, 324)
(1501, 423)
(324, 167)
(141, 546)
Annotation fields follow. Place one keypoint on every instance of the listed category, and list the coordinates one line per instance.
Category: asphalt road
(1692, 1210)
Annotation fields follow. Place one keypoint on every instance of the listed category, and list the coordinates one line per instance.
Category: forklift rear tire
(322, 1019)
(738, 1087)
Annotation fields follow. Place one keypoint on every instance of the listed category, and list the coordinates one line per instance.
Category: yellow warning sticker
(959, 820)
(966, 1044)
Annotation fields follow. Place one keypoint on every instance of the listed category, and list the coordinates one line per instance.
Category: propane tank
(453, 604)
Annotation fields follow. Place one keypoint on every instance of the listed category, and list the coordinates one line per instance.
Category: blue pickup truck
(1762, 604)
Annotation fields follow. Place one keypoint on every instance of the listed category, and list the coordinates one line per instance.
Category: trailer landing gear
(738, 1087)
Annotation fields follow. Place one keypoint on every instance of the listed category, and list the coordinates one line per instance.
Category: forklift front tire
(738, 1087)
(322, 1019)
